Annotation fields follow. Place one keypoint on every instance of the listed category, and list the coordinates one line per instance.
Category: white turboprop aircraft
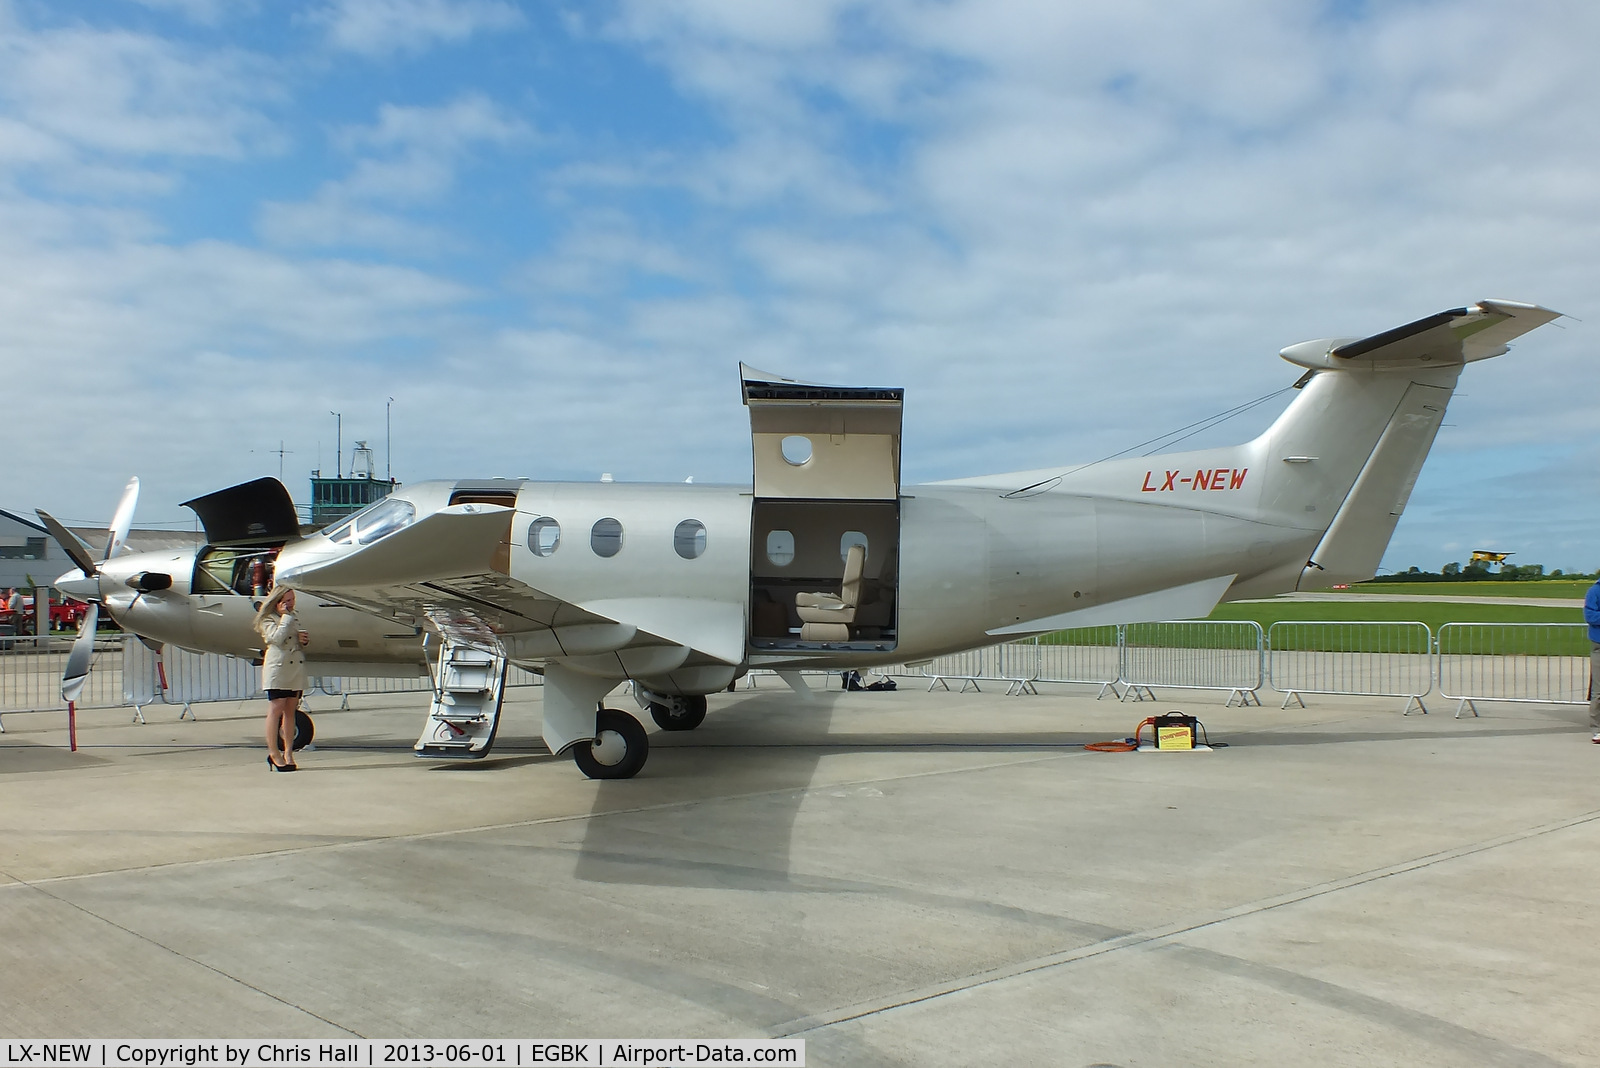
(826, 563)
(205, 598)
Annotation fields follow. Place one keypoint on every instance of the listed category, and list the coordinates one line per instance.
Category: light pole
(338, 449)
(388, 443)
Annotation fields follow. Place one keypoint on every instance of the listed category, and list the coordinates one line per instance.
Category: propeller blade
(77, 672)
(122, 518)
(70, 543)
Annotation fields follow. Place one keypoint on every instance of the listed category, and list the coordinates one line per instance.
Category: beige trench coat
(283, 665)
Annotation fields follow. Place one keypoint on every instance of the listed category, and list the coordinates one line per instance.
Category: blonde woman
(283, 673)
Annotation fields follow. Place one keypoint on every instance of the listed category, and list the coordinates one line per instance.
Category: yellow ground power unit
(1174, 730)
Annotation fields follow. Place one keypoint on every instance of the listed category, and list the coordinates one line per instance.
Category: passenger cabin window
(849, 538)
(544, 536)
(605, 538)
(796, 449)
(689, 540)
(780, 548)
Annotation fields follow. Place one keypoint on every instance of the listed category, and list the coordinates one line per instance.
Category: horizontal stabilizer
(1456, 336)
(1192, 601)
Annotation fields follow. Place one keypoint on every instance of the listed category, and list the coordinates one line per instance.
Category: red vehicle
(64, 615)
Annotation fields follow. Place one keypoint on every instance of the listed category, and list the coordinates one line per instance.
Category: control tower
(334, 498)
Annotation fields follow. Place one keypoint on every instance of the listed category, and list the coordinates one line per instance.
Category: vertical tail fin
(1347, 452)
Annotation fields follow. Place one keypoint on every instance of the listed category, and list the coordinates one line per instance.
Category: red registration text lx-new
(1215, 479)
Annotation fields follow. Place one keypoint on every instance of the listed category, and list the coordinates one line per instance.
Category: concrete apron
(903, 878)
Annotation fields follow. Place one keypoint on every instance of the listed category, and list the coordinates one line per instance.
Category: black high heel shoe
(275, 766)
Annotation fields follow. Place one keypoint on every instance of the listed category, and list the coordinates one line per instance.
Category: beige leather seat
(826, 617)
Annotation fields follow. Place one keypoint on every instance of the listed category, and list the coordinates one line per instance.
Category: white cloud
(1065, 228)
(413, 154)
(1130, 208)
(127, 95)
(376, 28)
(599, 255)
(331, 220)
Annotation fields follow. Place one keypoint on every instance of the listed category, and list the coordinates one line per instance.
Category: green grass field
(1378, 639)
(1574, 588)
(1433, 613)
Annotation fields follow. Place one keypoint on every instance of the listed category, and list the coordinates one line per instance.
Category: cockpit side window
(382, 519)
(370, 524)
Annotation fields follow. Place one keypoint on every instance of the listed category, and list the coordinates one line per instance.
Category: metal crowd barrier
(1376, 659)
(1192, 655)
(1124, 661)
(1088, 655)
(30, 675)
(179, 677)
(1017, 664)
(968, 668)
(1547, 663)
(345, 687)
(1468, 662)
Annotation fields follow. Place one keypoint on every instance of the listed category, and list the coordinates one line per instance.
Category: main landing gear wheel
(619, 748)
(681, 714)
(304, 729)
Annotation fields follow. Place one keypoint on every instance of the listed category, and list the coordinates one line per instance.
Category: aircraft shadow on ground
(763, 753)
(714, 843)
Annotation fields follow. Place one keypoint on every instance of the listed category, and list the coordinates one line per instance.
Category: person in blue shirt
(1591, 616)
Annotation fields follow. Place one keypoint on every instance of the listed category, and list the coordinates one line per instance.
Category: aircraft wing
(451, 570)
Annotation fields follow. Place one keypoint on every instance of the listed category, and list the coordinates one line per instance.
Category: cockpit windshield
(374, 522)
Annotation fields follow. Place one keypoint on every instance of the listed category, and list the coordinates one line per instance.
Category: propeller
(90, 588)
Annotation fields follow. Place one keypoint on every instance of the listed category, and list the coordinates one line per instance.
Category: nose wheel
(679, 713)
(619, 748)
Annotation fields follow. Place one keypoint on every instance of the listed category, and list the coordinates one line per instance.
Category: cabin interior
(800, 552)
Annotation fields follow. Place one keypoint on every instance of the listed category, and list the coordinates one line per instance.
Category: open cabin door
(825, 523)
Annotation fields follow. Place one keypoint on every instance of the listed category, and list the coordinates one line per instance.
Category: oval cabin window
(780, 548)
(689, 540)
(544, 536)
(605, 538)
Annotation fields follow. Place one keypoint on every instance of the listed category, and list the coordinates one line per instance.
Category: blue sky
(551, 231)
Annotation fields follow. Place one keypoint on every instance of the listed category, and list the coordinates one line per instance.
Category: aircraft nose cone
(78, 586)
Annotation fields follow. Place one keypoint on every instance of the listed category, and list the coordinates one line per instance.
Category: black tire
(623, 746)
(304, 729)
(683, 714)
